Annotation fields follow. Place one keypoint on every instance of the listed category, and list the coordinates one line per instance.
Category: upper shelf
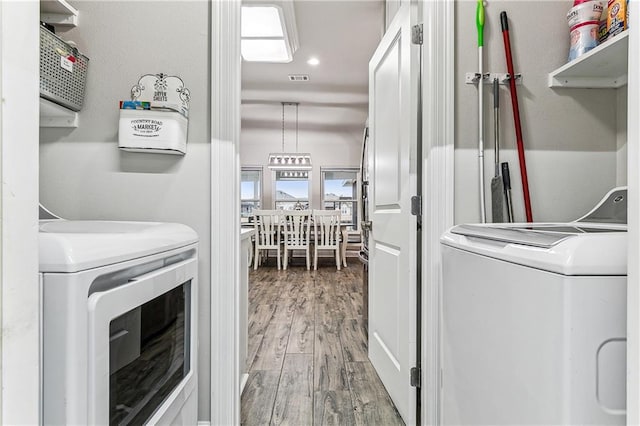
(603, 67)
(58, 12)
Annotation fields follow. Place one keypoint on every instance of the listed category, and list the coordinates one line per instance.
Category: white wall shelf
(58, 13)
(54, 115)
(603, 67)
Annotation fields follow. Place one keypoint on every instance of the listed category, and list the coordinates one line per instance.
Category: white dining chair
(344, 234)
(267, 226)
(296, 233)
(326, 225)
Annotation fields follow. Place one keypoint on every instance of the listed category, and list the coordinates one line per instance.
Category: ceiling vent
(298, 77)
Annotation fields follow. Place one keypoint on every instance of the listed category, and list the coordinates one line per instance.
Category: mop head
(497, 200)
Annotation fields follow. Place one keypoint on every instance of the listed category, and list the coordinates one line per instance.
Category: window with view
(340, 192)
(291, 190)
(250, 191)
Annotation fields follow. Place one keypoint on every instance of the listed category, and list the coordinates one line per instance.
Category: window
(340, 192)
(291, 190)
(250, 191)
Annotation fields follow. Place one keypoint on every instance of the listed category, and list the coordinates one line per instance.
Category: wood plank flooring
(307, 357)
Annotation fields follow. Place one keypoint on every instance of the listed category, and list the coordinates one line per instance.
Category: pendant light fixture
(288, 160)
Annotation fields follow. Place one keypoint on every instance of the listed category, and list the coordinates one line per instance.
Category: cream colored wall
(83, 174)
(570, 135)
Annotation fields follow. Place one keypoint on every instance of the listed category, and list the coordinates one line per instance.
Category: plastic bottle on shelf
(617, 17)
(603, 34)
(584, 21)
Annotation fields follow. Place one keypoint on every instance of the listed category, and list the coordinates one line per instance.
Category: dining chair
(344, 234)
(326, 225)
(296, 233)
(267, 226)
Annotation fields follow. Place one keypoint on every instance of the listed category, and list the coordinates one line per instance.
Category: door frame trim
(438, 184)
(438, 130)
(633, 181)
(225, 212)
(20, 291)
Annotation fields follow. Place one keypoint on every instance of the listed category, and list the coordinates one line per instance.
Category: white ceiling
(343, 36)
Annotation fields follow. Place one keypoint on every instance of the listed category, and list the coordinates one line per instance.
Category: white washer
(119, 322)
(534, 320)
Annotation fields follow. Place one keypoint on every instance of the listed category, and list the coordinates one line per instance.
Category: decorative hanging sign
(162, 88)
(156, 117)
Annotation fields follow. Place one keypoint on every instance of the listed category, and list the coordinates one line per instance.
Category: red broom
(516, 116)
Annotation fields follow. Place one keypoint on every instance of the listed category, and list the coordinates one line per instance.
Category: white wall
(85, 176)
(633, 260)
(20, 296)
(570, 135)
(621, 137)
(329, 146)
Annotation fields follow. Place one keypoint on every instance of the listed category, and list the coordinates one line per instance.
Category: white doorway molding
(438, 185)
(20, 290)
(225, 211)
(438, 132)
(633, 268)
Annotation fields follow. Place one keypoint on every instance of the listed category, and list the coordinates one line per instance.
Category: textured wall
(83, 173)
(570, 135)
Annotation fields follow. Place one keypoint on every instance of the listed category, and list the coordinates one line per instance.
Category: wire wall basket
(63, 71)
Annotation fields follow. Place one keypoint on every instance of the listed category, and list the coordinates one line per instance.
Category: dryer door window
(148, 356)
(141, 345)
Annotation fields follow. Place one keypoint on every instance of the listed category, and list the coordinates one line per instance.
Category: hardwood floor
(307, 357)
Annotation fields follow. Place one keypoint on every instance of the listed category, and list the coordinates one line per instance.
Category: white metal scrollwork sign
(164, 88)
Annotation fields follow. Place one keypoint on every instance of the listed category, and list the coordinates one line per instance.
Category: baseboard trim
(243, 381)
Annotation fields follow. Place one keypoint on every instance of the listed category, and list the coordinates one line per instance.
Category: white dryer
(534, 320)
(119, 322)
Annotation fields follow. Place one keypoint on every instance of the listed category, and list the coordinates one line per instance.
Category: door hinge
(416, 34)
(415, 377)
(416, 205)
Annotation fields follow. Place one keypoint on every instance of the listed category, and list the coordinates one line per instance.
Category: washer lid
(564, 248)
(536, 235)
(77, 245)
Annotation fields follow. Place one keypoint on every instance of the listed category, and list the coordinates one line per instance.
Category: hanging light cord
(297, 104)
(282, 126)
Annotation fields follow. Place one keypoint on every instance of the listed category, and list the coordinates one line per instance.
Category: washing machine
(119, 322)
(534, 320)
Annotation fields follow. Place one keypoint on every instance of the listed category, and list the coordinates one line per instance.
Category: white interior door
(392, 294)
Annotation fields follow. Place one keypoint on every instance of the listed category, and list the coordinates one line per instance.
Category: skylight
(258, 21)
(260, 50)
(265, 35)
